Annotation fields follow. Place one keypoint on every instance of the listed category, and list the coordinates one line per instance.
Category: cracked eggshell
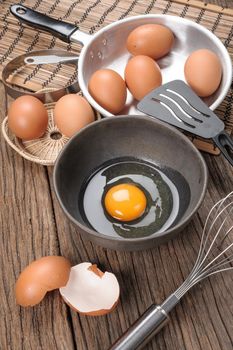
(89, 291)
(41, 276)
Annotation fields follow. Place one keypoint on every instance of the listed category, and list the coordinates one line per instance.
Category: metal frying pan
(107, 49)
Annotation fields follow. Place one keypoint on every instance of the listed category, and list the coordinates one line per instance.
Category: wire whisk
(215, 255)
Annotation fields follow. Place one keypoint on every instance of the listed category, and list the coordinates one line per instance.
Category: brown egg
(71, 113)
(152, 40)
(203, 72)
(90, 291)
(41, 276)
(27, 117)
(142, 74)
(108, 89)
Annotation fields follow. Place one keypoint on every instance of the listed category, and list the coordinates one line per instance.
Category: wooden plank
(218, 6)
(150, 276)
(27, 232)
(32, 224)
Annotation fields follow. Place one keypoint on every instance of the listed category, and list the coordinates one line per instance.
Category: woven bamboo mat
(90, 16)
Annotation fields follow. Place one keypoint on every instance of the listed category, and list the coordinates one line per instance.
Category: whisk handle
(141, 332)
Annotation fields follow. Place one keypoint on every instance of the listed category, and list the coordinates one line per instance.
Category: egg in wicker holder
(43, 150)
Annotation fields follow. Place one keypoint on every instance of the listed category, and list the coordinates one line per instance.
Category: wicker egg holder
(45, 149)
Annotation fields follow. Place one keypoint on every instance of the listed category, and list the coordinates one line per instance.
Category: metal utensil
(177, 104)
(107, 49)
(163, 146)
(65, 57)
(215, 255)
(40, 57)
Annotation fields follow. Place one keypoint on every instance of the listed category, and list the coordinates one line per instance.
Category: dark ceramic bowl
(139, 137)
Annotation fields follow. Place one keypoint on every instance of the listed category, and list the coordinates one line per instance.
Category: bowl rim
(152, 237)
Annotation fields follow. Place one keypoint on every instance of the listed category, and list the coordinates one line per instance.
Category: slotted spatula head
(176, 104)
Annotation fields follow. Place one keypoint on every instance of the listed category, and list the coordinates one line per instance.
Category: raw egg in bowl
(129, 182)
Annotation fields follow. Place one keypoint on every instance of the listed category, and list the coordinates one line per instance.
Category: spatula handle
(225, 144)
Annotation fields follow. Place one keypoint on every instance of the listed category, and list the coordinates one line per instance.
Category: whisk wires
(213, 236)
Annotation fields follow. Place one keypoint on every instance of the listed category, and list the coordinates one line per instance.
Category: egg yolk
(125, 202)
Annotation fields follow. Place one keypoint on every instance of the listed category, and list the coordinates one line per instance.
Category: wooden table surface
(33, 225)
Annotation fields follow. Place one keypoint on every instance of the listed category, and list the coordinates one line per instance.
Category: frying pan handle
(61, 30)
(225, 144)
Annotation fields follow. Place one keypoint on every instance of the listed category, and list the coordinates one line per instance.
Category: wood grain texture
(223, 3)
(32, 225)
(27, 233)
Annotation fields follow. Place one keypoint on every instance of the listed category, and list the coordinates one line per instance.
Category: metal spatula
(177, 104)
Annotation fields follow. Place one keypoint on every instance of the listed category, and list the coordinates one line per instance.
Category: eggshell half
(90, 291)
(41, 276)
